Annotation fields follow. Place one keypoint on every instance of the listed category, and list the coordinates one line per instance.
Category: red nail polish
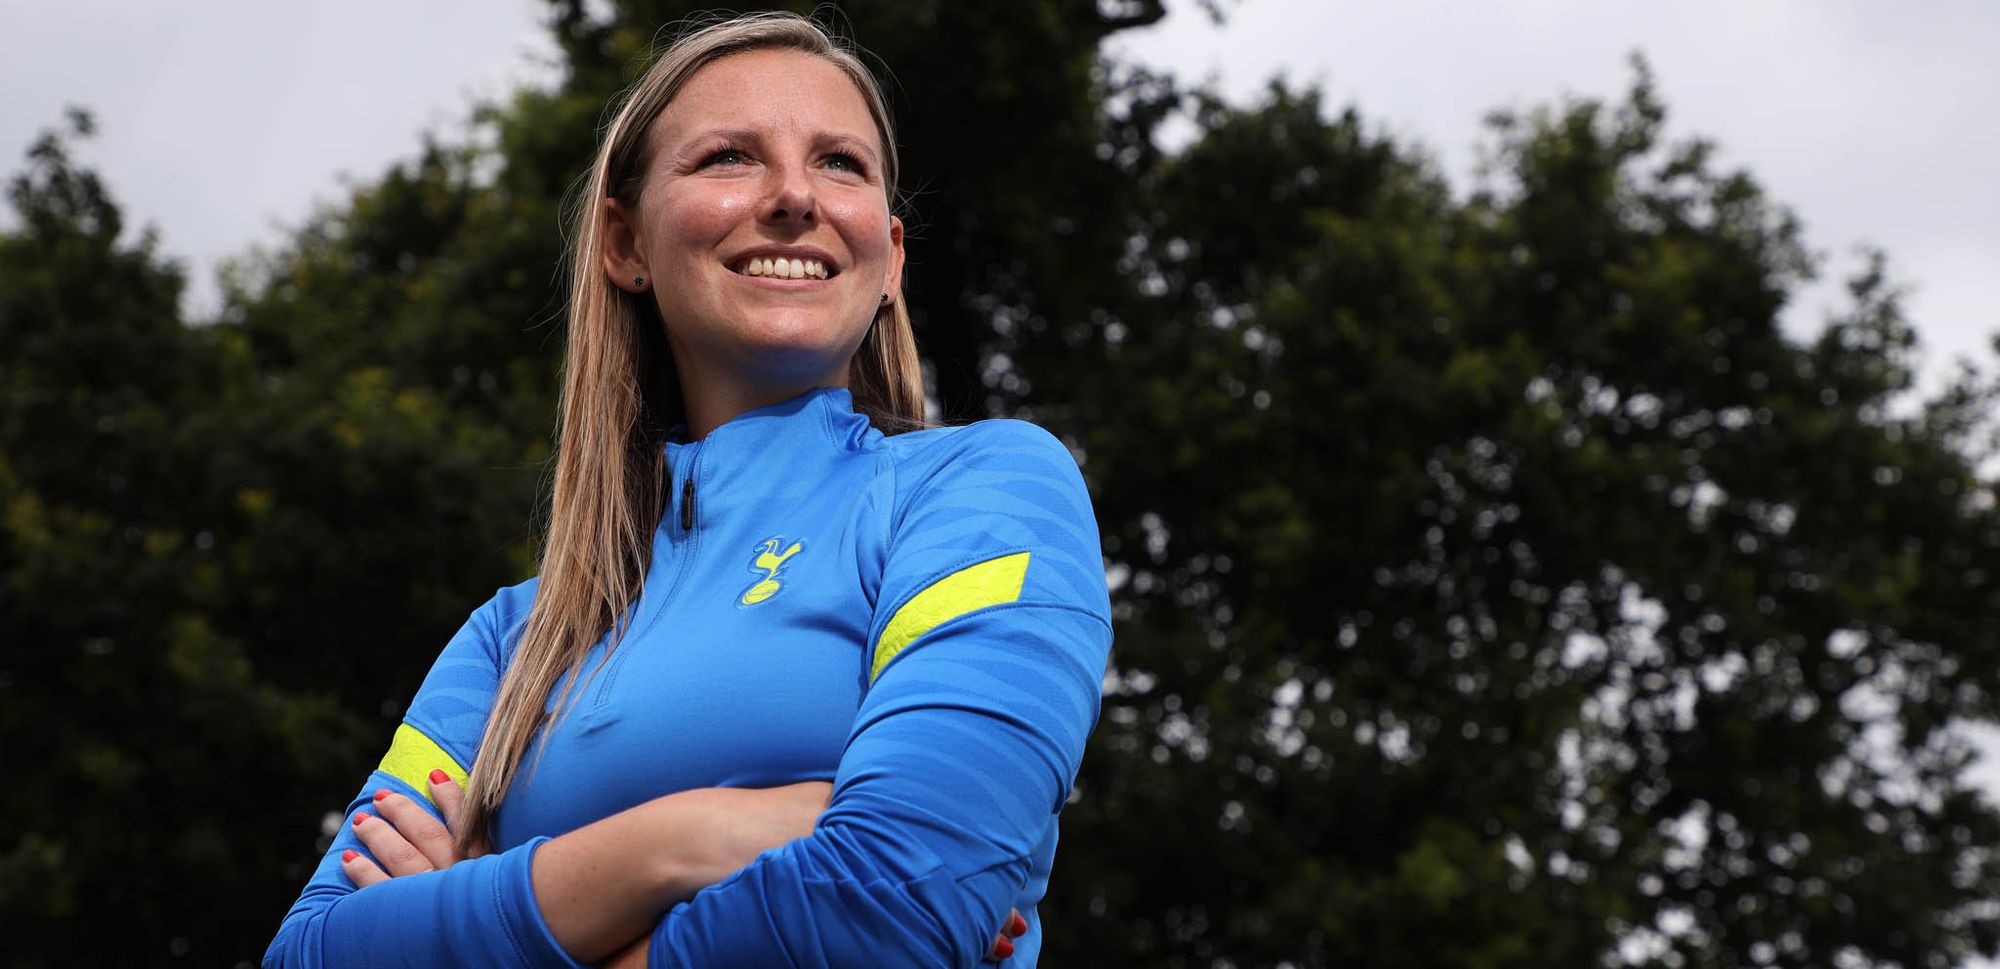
(1018, 925)
(440, 777)
(360, 817)
(381, 794)
(349, 855)
(1004, 947)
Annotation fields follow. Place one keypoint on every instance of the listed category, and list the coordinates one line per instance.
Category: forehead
(768, 89)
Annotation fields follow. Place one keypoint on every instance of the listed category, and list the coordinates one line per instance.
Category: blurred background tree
(1496, 584)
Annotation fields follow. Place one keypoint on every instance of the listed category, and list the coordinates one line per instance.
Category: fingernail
(381, 794)
(1004, 947)
(440, 777)
(362, 816)
(1018, 925)
(349, 855)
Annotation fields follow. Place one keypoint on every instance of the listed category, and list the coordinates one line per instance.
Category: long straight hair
(620, 397)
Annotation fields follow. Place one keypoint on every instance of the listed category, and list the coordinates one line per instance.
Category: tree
(145, 731)
(1506, 588)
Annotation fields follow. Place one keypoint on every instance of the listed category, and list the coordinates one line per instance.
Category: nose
(790, 200)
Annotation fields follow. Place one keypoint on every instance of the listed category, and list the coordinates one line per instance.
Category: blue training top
(921, 619)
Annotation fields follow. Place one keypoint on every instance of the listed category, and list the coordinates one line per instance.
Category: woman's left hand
(404, 838)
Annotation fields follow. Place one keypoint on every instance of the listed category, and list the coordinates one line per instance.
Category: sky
(223, 121)
(1869, 120)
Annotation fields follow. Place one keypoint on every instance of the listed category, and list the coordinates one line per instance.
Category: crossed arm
(602, 888)
(606, 884)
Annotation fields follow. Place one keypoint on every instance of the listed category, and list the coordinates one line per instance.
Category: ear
(623, 262)
(893, 282)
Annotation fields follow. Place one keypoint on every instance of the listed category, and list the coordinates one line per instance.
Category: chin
(799, 336)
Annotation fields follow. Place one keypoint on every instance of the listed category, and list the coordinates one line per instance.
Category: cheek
(688, 224)
(865, 225)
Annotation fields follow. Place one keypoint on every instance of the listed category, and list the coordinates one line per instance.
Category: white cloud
(219, 118)
(1868, 120)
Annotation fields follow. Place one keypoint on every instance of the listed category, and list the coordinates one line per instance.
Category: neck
(710, 407)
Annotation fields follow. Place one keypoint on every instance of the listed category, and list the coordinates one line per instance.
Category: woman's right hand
(403, 838)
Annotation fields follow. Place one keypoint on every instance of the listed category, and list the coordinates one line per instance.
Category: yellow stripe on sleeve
(412, 756)
(989, 583)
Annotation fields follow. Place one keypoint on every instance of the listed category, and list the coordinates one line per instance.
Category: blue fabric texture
(794, 536)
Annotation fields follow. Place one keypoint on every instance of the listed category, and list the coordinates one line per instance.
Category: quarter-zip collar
(724, 493)
(717, 474)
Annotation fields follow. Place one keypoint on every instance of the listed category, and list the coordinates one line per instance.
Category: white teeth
(785, 268)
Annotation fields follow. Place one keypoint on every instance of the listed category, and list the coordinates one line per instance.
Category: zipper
(685, 555)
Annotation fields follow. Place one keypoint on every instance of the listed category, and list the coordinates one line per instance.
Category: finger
(424, 832)
(450, 799)
(360, 870)
(392, 851)
(1016, 925)
(1002, 948)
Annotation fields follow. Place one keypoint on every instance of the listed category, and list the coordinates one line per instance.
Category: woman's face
(762, 226)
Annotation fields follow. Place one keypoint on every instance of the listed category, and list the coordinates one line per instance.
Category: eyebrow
(698, 141)
(851, 143)
(824, 139)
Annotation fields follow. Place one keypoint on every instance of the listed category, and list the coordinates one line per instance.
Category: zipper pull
(687, 503)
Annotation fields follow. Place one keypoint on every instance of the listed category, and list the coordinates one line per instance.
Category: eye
(845, 162)
(723, 156)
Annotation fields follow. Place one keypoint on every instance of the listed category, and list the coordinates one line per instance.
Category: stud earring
(885, 297)
(638, 280)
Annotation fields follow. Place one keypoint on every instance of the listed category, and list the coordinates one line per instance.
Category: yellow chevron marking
(412, 756)
(990, 583)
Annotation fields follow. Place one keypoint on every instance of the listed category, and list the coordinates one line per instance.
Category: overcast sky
(1872, 121)
(222, 120)
(219, 120)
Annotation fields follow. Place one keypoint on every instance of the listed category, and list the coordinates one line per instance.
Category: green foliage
(146, 755)
(1506, 588)
(1496, 584)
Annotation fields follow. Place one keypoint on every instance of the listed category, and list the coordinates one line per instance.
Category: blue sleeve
(986, 652)
(480, 912)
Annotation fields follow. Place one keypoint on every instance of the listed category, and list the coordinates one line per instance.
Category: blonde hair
(620, 397)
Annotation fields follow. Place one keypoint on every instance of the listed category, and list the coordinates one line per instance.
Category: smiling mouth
(781, 268)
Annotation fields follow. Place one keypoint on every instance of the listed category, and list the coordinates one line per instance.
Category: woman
(748, 590)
